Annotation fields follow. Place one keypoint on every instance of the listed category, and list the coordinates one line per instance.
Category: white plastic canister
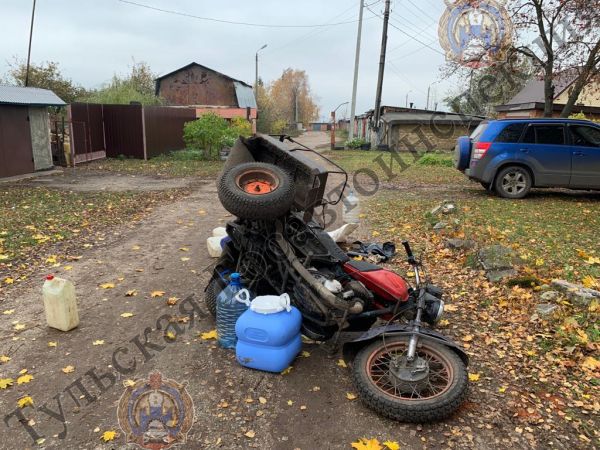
(60, 303)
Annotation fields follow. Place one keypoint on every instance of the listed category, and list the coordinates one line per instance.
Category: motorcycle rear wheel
(429, 400)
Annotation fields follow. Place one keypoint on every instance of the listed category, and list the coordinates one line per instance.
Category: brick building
(206, 89)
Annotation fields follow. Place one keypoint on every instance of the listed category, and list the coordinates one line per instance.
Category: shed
(421, 129)
(25, 129)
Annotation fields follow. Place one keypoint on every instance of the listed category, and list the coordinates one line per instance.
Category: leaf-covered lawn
(544, 371)
(176, 164)
(429, 169)
(35, 221)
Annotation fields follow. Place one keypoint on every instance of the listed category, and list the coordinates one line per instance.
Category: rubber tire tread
(215, 286)
(410, 411)
(247, 206)
(498, 182)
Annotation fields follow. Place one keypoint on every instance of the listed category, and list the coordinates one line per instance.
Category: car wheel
(513, 182)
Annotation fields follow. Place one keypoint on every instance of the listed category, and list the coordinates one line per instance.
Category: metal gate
(16, 153)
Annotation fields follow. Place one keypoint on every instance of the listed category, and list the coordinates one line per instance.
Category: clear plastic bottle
(351, 208)
(229, 309)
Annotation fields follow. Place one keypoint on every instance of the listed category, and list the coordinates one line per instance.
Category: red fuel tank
(382, 282)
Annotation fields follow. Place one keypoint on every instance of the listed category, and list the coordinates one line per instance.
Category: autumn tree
(46, 75)
(567, 43)
(292, 99)
(137, 86)
(483, 89)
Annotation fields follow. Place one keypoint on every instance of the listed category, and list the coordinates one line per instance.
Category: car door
(585, 151)
(543, 148)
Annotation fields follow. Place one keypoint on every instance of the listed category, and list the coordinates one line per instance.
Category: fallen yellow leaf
(19, 326)
(24, 379)
(305, 354)
(290, 402)
(392, 445)
(172, 301)
(109, 435)
(287, 371)
(467, 338)
(450, 308)
(262, 400)
(135, 247)
(9, 280)
(131, 293)
(4, 359)
(6, 382)
(8, 312)
(591, 363)
(589, 282)
(474, 377)
(342, 363)
(184, 249)
(68, 267)
(212, 334)
(98, 342)
(128, 383)
(25, 401)
(350, 396)
(127, 314)
(52, 344)
(68, 369)
(366, 444)
(170, 335)
(51, 259)
(157, 293)
(107, 285)
(250, 434)
(185, 258)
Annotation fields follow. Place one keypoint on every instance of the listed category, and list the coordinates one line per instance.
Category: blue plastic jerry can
(268, 334)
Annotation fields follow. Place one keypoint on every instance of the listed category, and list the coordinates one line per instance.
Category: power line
(231, 22)
(409, 35)
(422, 11)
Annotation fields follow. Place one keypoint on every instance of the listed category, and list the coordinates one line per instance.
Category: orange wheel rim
(257, 182)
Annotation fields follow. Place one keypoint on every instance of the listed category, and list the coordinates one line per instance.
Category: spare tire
(256, 191)
(462, 153)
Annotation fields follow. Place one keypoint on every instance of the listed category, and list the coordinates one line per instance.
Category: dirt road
(305, 409)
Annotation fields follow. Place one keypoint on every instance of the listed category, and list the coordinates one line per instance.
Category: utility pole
(29, 49)
(256, 73)
(386, 18)
(356, 63)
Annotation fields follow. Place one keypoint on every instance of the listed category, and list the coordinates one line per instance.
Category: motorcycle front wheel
(426, 392)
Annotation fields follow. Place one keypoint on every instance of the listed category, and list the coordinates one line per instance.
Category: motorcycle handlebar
(409, 253)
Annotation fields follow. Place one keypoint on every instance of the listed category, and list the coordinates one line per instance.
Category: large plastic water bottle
(351, 208)
(231, 304)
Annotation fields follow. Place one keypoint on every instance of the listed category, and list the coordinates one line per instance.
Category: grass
(431, 168)
(33, 219)
(551, 231)
(182, 163)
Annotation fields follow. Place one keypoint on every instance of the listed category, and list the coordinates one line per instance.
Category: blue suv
(511, 156)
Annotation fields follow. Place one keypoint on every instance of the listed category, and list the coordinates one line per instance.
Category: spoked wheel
(256, 191)
(429, 388)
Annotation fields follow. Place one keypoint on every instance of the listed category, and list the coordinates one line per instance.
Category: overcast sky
(92, 39)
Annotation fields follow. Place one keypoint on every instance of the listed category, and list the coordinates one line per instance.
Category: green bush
(436, 159)
(355, 143)
(238, 127)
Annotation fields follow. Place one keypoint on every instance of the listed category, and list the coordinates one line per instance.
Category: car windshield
(478, 131)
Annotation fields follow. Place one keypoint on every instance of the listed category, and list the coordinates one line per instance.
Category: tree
(210, 133)
(291, 97)
(485, 88)
(137, 86)
(567, 43)
(46, 75)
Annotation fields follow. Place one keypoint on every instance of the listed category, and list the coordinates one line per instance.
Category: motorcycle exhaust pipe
(324, 293)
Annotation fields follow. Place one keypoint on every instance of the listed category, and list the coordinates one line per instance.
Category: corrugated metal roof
(437, 117)
(245, 95)
(17, 95)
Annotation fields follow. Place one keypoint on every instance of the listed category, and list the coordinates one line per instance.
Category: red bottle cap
(49, 277)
